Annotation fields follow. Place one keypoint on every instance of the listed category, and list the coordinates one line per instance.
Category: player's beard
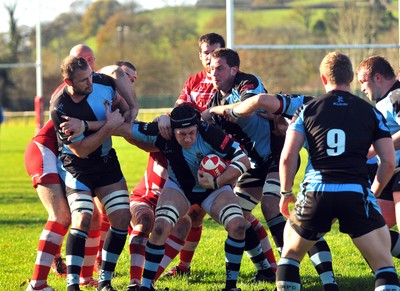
(83, 92)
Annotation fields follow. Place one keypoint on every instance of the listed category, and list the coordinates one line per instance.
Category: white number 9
(336, 141)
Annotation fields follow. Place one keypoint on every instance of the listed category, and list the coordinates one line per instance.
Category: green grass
(22, 218)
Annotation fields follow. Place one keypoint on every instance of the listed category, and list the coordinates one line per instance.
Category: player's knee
(237, 228)
(146, 220)
(183, 226)
(120, 219)
(196, 215)
(270, 206)
(64, 220)
(161, 228)
(81, 220)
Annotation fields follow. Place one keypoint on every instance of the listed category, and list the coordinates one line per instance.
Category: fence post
(39, 109)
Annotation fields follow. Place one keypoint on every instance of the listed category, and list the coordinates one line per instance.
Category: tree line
(162, 43)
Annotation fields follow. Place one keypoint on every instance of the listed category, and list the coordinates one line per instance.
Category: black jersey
(339, 128)
(91, 108)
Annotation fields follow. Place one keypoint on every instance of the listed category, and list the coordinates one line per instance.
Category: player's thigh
(53, 199)
(115, 199)
(295, 247)
(375, 247)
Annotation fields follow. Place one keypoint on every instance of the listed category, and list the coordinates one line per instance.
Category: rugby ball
(213, 165)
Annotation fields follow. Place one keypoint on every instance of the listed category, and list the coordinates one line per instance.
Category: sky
(27, 11)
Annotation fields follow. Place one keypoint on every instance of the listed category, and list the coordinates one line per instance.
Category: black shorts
(91, 173)
(319, 204)
(255, 177)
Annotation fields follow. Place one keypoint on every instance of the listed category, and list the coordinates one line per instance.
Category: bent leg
(294, 250)
(375, 247)
(51, 238)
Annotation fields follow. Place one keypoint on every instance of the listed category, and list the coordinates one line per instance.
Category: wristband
(234, 113)
(86, 125)
(287, 193)
(215, 182)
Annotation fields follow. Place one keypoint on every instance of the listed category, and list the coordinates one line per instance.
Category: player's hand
(229, 116)
(206, 115)
(114, 118)
(284, 204)
(72, 126)
(281, 125)
(205, 180)
(131, 114)
(164, 126)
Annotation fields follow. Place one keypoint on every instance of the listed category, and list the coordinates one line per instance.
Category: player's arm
(131, 134)
(238, 166)
(124, 88)
(74, 127)
(396, 140)
(267, 102)
(396, 144)
(88, 144)
(288, 167)
(385, 150)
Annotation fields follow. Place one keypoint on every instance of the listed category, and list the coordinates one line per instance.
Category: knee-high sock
(105, 226)
(276, 226)
(233, 257)
(254, 251)
(386, 279)
(172, 247)
(50, 241)
(91, 247)
(137, 245)
(288, 275)
(191, 243)
(321, 258)
(264, 242)
(75, 253)
(154, 255)
(112, 248)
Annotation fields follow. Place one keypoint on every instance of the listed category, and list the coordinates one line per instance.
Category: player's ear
(324, 80)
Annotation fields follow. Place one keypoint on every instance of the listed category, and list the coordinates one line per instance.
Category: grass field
(22, 218)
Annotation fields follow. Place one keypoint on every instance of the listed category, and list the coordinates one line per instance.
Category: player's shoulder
(246, 77)
(197, 77)
(394, 96)
(103, 79)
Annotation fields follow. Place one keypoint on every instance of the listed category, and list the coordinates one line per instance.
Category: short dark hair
(70, 64)
(211, 38)
(377, 65)
(126, 64)
(232, 57)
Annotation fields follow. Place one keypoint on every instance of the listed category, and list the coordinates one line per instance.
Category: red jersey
(151, 184)
(198, 89)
